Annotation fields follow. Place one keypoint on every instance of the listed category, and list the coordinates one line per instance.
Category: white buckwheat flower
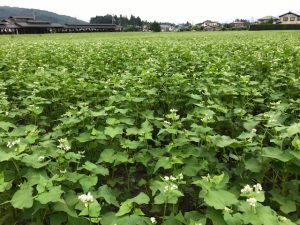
(172, 178)
(64, 144)
(41, 158)
(173, 187)
(257, 187)
(228, 210)
(166, 178)
(167, 123)
(247, 189)
(282, 218)
(173, 110)
(11, 144)
(252, 201)
(170, 187)
(153, 220)
(86, 199)
(180, 176)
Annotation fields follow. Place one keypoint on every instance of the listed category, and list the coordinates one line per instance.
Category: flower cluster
(170, 179)
(253, 133)
(167, 123)
(252, 201)
(86, 198)
(228, 210)
(173, 110)
(10, 144)
(64, 144)
(153, 220)
(170, 187)
(257, 188)
(41, 158)
(282, 218)
(248, 189)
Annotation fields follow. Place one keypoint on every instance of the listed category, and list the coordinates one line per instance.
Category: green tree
(155, 27)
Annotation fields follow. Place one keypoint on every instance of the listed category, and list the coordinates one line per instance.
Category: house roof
(37, 24)
(85, 26)
(5, 24)
(209, 21)
(268, 18)
(289, 13)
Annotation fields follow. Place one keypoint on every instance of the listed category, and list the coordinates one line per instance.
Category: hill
(6, 11)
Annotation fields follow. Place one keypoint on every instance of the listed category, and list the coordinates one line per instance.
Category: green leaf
(113, 131)
(4, 186)
(130, 144)
(125, 208)
(57, 219)
(53, 195)
(264, 216)
(216, 216)
(293, 129)
(253, 165)
(96, 169)
(6, 125)
(108, 195)
(108, 219)
(84, 137)
(140, 199)
(170, 197)
(23, 197)
(288, 206)
(63, 207)
(250, 124)
(223, 141)
(92, 211)
(107, 156)
(276, 153)
(18, 132)
(5, 156)
(33, 160)
(163, 162)
(219, 199)
(88, 181)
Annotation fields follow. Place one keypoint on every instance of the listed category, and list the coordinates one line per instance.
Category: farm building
(28, 25)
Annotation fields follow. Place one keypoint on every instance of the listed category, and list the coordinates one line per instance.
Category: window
(299, 18)
(285, 18)
(292, 19)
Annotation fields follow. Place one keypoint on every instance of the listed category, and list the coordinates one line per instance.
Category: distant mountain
(6, 11)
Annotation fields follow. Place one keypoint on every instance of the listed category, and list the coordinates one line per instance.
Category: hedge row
(275, 27)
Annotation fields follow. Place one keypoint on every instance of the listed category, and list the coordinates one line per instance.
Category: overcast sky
(175, 11)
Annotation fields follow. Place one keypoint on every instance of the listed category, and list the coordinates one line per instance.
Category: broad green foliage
(140, 129)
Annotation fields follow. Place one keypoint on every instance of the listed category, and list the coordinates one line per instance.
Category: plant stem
(165, 210)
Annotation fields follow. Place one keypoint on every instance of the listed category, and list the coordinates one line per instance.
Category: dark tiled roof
(45, 25)
(86, 26)
(289, 13)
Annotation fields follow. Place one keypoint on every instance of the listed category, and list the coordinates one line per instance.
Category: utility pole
(33, 14)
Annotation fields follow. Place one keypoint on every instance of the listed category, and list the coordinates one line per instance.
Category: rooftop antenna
(113, 19)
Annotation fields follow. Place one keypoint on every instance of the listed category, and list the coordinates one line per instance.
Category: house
(240, 24)
(268, 20)
(290, 18)
(209, 25)
(183, 27)
(165, 27)
(29, 25)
